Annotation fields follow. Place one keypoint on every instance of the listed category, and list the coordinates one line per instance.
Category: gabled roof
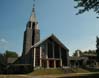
(54, 38)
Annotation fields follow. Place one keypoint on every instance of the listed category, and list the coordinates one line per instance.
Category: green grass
(80, 70)
(92, 70)
(15, 76)
(57, 71)
(47, 72)
(70, 75)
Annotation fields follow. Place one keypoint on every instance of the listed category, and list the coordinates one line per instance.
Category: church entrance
(57, 63)
(51, 63)
(44, 63)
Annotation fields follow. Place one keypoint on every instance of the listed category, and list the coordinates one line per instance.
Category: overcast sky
(54, 16)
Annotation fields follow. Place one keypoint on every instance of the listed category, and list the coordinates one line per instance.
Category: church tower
(31, 34)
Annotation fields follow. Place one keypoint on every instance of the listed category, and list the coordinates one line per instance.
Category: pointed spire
(33, 16)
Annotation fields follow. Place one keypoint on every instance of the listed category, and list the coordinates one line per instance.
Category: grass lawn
(79, 70)
(68, 75)
(56, 73)
(15, 76)
(47, 72)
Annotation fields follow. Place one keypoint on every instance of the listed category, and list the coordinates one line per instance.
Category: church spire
(33, 16)
(32, 33)
(33, 19)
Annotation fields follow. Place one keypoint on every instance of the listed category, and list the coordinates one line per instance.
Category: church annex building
(47, 53)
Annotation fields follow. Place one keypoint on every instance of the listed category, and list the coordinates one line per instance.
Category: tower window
(33, 25)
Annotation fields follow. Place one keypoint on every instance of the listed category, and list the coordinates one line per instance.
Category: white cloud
(3, 44)
(3, 40)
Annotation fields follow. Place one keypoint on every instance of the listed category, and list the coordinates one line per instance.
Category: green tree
(90, 52)
(2, 63)
(87, 5)
(11, 54)
(97, 50)
(77, 53)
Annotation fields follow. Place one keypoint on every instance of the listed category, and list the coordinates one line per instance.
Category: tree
(3, 60)
(2, 64)
(11, 54)
(77, 53)
(87, 5)
(97, 46)
(90, 52)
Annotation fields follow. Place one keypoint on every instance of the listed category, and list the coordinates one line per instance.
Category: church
(47, 53)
